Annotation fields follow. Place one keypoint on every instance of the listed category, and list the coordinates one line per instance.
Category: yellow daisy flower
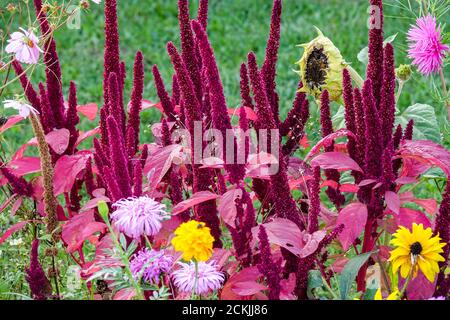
(416, 249)
(194, 240)
(393, 296)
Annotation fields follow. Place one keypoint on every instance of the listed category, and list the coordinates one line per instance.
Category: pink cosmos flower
(209, 278)
(24, 44)
(425, 45)
(150, 264)
(23, 108)
(137, 217)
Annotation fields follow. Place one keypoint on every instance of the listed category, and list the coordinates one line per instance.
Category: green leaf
(371, 290)
(349, 273)
(339, 118)
(314, 281)
(425, 123)
(103, 210)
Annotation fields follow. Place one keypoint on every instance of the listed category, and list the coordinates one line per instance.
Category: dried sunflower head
(321, 67)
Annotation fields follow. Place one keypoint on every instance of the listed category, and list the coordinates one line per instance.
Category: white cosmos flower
(23, 108)
(24, 44)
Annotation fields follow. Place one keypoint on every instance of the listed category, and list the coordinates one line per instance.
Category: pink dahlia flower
(150, 264)
(24, 44)
(425, 45)
(137, 217)
(209, 278)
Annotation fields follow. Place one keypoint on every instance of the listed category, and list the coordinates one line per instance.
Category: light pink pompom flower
(24, 44)
(425, 45)
(209, 278)
(137, 217)
(23, 108)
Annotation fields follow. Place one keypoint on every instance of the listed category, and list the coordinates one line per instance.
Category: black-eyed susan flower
(194, 240)
(416, 249)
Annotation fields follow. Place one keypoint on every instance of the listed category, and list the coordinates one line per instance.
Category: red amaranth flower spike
(314, 201)
(72, 118)
(53, 68)
(202, 15)
(442, 228)
(409, 130)
(137, 184)
(89, 178)
(245, 88)
(268, 69)
(118, 158)
(295, 114)
(373, 150)
(19, 185)
(387, 104)
(34, 274)
(112, 50)
(220, 118)
(376, 38)
(166, 103)
(134, 117)
(268, 267)
(175, 91)
(114, 107)
(47, 120)
(360, 131)
(30, 92)
(188, 52)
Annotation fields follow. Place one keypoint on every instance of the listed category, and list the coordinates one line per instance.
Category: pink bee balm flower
(137, 217)
(23, 108)
(150, 264)
(209, 278)
(425, 45)
(24, 44)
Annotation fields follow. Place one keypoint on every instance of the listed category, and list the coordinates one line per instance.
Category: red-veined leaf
(58, 140)
(18, 226)
(66, 170)
(408, 216)
(328, 141)
(354, 218)
(227, 206)
(195, 199)
(159, 163)
(246, 275)
(250, 114)
(335, 160)
(88, 110)
(25, 165)
(11, 122)
(84, 135)
(392, 201)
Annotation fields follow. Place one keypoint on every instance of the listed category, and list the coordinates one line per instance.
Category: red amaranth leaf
(25, 165)
(80, 228)
(349, 187)
(354, 218)
(408, 216)
(392, 201)
(18, 226)
(84, 135)
(66, 170)
(420, 288)
(227, 206)
(328, 141)
(11, 122)
(250, 114)
(430, 205)
(247, 275)
(88, 110)
(335, 160)
(426, 152)
(159, 163)
(195, 199)
(58, 140)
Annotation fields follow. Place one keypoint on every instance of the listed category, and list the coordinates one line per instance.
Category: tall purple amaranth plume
(376, 38)
(388, 176)
(19, 185)
(35, 276)
(166, 103)
(207, 211)
(134, 118)
(397, 137)
(118, 158)
(299, 118)
(349, 111)
(327, 128)
(373, 150)
(27, 86)
(188, 52)
(244, 140)
(442, 227)
(409, 130)
(202, 16)
(47, 120)
(89, 178)
(137, 183)
(360, 125)
(112, 50)
(294, 115)
(245, 88)
(284, 203)
(72, 118)
(221, 119)
(175, 91)
(387, 103)
(268, 267)
(268, 69)
(53, 68)
(314, 201)
(114, 106)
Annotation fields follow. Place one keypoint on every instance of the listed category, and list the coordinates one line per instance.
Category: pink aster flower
(24, 44)
(23, 108)
(150, 264)
(209, 278)
(425, 45)
(137, 217)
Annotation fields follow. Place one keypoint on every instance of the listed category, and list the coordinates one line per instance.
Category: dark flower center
(316, 68)
(416, 248)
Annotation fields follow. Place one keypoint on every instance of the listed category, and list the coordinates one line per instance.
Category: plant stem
(401, 84)
(408, 279)
(445, 92)
(194, 289)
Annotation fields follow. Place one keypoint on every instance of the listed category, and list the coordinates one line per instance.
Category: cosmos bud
(403, 72)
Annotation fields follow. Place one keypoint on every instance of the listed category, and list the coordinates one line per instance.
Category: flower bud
(403, 72)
